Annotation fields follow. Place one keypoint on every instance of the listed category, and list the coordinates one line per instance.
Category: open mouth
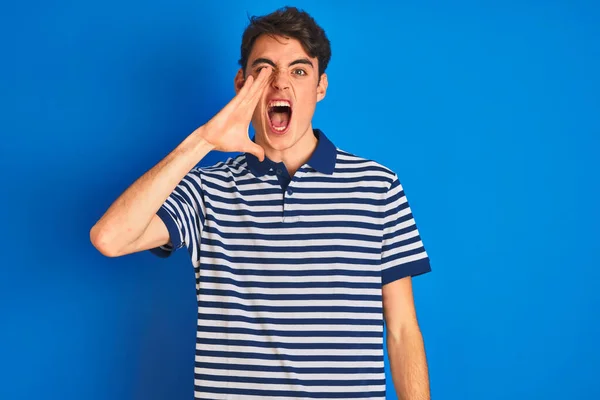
(280, 114)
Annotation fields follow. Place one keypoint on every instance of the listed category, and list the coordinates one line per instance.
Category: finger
(252, 99)
(259, 86)
(245, 87)
(240, 96)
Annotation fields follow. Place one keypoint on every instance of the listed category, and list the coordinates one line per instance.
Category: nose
(280, 80)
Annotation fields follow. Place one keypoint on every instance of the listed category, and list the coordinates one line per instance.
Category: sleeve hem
(413, 268)
(174, 235)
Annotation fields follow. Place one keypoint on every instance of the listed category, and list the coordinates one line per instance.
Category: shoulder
(231, 167)
(348, 162)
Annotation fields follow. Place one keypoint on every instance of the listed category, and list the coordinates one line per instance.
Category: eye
(257, 70)
(299, 72)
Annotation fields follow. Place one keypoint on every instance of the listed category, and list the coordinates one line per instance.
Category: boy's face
(283, 115)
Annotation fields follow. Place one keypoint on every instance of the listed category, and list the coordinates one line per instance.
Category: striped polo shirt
(289, 272)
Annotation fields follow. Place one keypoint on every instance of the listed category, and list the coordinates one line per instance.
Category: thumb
(255, 149)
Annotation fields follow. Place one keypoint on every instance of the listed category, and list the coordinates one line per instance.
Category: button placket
(289, 192)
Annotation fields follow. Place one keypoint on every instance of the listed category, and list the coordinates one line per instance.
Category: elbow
(98, 238)
(403, 332)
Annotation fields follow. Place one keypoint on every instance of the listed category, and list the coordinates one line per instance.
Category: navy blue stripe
(286, 296)
(331, 212)
(418, 250)
(289, 357)
(297, 370)
(287, 249)
(292, 309)
(231, 169)
(270, 180)
(408, 241)
(397, 221)
(225, 179)
(297, 237)
(337, 200)
(368, 168)
(391, 235)
(339, 179)
(290, 285)
(289, 261)
(277, 213)
(396, 209)
(239, 200)
(297, 346)
(288, 393)
(292, 200)
(234, 189)
(287, 272)
(300, 224)
(289, 381)
(396, 197)
(340, 190)
(273, 332)
(291, 321)
(244, 213)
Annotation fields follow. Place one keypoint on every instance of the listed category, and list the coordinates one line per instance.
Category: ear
(239, 80)
(322, 87)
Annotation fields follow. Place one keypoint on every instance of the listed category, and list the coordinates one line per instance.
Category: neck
(295, 156)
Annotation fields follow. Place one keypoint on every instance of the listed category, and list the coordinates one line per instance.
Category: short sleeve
(402, 251)
(183, 212)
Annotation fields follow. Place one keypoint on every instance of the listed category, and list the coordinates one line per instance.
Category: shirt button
(278, 171)
(290, 192)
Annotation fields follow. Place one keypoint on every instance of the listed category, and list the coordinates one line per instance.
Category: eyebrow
(271, 63)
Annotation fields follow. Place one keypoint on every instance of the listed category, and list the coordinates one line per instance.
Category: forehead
(278, 49)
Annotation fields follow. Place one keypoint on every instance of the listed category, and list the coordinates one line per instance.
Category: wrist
(201, 140)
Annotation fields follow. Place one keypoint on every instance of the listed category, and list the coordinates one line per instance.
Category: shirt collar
(322, 159)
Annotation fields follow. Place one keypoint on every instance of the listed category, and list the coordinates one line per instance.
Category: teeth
(280, 129)
(279, 104)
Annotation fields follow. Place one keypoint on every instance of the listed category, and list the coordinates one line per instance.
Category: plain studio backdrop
(488, 111)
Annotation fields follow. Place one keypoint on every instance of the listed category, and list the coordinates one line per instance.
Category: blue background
(489, 113)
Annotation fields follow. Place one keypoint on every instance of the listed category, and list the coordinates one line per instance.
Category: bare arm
(130, 215)
(130, 224)
(405, 346)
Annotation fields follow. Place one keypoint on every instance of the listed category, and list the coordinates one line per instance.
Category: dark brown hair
(291, 23)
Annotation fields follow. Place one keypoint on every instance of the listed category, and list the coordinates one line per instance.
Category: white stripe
(331, 205)
(404, 260)
(291, 303)
(280, 255)
(310, 389)
(295, 279)
(294, 243)
(305, 218)
(324, 316)
(299, 364)
(287, 375)
(287, 352)
(291, 267)
(277, 230)
(291, 339)
(224, 396)
(292, 327)
(401, 238)
(403, 249)
(279, 291)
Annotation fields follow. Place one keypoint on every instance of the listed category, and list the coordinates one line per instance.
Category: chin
(280, 140)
